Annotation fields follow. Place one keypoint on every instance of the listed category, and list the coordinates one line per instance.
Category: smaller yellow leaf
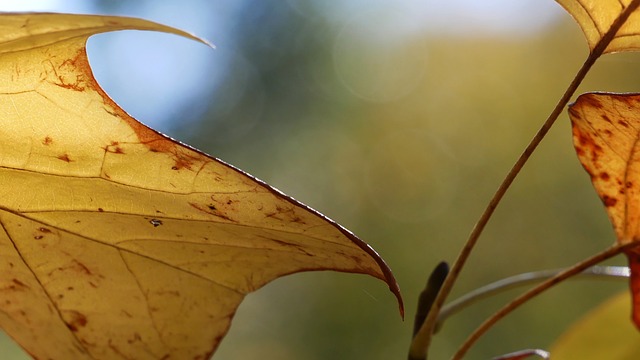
(596, 17)
(604, 333)
(606, 134)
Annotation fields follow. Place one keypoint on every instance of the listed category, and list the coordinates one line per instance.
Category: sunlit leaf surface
(604, 333)
(595, 17)
(116, 241)
(606, 135)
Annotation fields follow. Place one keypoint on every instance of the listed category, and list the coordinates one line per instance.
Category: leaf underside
(116, 241)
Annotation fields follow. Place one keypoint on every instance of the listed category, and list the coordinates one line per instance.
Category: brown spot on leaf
(207, 210)
(183, 159)
(65, 158)
(623, 123)
(587, 145)
(72, 79)
(609, 201)
(583, 139)
(75, 320)
(285, 244)
(47, 140)
(114, 148)
(76, 267)
(153, 140)
(41, 232)
(18, 285)
(285, 214)
(604, 176)
(82, 267)
(593, 102)
(135, 338)
(605, 118)
(71, 86)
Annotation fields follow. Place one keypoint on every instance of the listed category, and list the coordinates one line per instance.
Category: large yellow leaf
(596, 17)
(606, 135)
(116, 241)
(603, 333)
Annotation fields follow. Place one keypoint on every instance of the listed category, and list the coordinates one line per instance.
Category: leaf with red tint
(606, 136)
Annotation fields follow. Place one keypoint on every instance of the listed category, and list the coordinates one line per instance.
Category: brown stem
(422, 340)
(574, 270)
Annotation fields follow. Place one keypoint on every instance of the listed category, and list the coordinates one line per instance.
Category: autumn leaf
(606, 135)
(596, 17)
(117, 241)
(603, 333)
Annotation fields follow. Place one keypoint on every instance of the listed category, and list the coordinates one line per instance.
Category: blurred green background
(396, 119)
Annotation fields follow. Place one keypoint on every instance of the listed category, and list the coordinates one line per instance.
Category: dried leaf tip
(23, 31)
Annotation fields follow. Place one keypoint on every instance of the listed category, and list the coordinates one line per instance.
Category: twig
(515, 281)
(419, 348)
(422, 340)
(574, 270)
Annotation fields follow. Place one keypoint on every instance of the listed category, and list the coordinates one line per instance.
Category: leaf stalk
(422, 340)
(547, 284)
(452, 308)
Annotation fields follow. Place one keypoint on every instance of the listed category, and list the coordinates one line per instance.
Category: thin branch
(419, 348)
(422, 340)
(607, 272)
(574, 270)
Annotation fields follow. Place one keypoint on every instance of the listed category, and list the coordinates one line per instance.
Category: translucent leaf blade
(111, 231)
(606, 136)
(595, 17)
